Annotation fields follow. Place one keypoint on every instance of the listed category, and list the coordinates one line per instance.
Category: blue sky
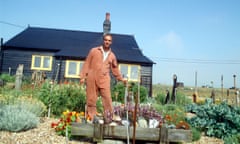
(183, 37)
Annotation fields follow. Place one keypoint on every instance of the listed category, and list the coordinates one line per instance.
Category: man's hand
(82, 81)
(125, 81)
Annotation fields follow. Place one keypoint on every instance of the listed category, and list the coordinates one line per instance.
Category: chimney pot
(107, 24)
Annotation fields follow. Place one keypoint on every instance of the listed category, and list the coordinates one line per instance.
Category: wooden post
(174, 89)
(222, 87)
(237, 97)
(213, 96)
(19, 75)
(228, 94)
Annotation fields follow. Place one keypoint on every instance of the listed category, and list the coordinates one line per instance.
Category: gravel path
(43, 134)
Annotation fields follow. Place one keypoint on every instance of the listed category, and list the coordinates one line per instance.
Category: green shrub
(7, 78)
(196, 134)
(118, 92)
(160, 98)
(33, 105)
(62, 97)
(233, 139)
(181, 99)
(16, 118)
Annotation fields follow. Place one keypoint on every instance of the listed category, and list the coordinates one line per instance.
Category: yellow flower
(65, 113)
(73, 113)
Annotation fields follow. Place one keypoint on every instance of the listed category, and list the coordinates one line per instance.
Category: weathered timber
(179, 135)
(100, 131)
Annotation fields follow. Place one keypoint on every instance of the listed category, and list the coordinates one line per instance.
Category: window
(73, 68)
(130, 71)
(41, 62)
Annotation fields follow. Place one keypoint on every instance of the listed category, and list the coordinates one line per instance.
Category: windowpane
(46, 62)
(134, 72)
(37, 61)
(72, 69)
(81, 65)
(124, 70)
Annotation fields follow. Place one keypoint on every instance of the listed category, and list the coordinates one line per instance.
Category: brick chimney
(107, 24)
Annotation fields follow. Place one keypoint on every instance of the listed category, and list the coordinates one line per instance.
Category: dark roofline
(75, 43)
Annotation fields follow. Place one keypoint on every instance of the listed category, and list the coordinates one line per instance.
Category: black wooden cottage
(60, 54)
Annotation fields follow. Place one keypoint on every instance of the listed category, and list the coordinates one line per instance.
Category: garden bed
(100, 131)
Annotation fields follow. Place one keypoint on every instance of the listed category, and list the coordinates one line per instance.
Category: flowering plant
(63, 126)
(176, 121)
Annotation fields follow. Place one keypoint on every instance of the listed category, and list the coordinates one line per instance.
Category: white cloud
(171, 41)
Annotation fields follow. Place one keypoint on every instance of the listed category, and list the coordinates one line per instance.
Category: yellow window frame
(42, 58)
(77, 69)
(130, 72)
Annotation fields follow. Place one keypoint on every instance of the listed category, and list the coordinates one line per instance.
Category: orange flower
(182, 125)
(168, 117)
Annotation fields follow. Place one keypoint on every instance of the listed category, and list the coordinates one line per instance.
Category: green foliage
(175, 112)
(99, 105)
(118, 92)
(17, 118)
(181, 99)
(7, 78)
(9, 96)
(215, 120)
(33, 105)
(19, 98)
(196, 134)
(62, 97)
(160, 98)
(233, 139)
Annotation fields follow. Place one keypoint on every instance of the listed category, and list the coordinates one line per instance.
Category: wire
(11, 24)
(202, 61)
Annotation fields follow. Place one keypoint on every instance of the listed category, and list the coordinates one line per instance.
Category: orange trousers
(93, 91)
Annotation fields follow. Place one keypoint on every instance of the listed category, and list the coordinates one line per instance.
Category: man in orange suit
(96, 71)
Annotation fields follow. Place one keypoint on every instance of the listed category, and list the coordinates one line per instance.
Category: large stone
(142, 123)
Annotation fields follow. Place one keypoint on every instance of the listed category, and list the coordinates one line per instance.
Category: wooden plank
(98, 132)
(82, 129)
(120, 132)
(179, 135)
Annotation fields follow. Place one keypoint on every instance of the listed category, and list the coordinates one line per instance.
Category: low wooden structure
(160, 135)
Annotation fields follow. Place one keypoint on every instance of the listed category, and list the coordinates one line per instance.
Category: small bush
(15, 118)
(33, 105)
(118, 92)
(62, 97)
(7, 78)
(234, 139)
(196, 134)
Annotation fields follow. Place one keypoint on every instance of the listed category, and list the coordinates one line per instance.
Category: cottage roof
(76, 43)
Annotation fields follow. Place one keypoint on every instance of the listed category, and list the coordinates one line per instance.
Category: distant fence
(229, 95)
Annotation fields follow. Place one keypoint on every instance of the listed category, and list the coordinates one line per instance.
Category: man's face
(107, 41)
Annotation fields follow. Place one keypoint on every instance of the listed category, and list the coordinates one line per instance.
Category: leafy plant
(215, 120)
(181, 98)
(7, 78)
(62, 97)
(33, 105)
(118, 92)
(233, 139)
(196, 134)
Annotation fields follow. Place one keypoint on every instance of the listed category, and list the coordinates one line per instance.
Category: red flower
(53, 125)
